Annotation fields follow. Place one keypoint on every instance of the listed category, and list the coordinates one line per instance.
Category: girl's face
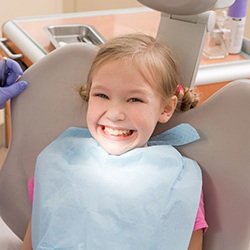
(123, 108)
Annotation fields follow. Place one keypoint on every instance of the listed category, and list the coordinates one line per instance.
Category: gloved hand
(12, 87)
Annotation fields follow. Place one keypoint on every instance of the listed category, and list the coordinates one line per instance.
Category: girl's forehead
(117, 65)
(129, 64)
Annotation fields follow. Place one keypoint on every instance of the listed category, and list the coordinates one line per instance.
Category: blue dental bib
(144, 199)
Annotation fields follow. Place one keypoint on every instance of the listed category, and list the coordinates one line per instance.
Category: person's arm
(27, 244)
(196, 240)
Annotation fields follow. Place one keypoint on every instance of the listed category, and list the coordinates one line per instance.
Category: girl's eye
(102, 96)
(135, 100)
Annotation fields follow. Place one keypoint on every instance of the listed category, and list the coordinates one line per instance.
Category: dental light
(184, 25)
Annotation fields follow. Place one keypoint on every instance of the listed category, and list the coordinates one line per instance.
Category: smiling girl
(113, 186)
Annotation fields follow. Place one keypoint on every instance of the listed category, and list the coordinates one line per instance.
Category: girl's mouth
(117, 132)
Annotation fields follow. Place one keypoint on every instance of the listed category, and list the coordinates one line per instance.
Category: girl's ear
(168, 110)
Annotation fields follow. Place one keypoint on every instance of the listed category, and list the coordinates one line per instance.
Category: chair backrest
(223, 153)
(51, 103)
(48, 106)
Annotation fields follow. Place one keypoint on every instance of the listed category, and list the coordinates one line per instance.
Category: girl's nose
(115, 113)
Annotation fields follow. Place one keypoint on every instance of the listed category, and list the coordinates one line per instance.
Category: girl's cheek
(93, 105)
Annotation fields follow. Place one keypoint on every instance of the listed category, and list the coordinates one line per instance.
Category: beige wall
(108, 4)
(90, 5)
(247, 27)
(11, 9)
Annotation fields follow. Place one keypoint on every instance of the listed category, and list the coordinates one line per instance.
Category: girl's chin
(118, 147)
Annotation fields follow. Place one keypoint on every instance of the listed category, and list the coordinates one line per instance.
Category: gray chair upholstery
(224, 156)
(51, 103)
(45, 109)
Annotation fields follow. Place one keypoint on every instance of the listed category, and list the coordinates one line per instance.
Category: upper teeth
(116, 131)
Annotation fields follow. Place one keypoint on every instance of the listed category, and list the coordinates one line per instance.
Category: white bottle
(236, 21)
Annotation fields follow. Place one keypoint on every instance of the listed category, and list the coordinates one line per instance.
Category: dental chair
(51, 104)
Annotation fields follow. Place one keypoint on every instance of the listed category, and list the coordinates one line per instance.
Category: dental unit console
(181, 22)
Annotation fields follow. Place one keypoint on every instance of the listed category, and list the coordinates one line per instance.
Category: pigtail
(187, 98)
(84, 93)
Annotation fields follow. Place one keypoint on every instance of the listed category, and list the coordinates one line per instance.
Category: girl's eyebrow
(99, 87)
(142, 90)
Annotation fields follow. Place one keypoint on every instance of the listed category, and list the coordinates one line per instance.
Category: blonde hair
(153, 60)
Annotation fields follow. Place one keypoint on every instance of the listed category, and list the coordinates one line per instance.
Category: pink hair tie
(179, 89)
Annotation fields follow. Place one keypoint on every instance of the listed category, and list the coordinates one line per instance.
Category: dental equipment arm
(184, 25)
(186, 7)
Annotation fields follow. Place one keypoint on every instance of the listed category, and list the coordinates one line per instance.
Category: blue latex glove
(12, 88)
